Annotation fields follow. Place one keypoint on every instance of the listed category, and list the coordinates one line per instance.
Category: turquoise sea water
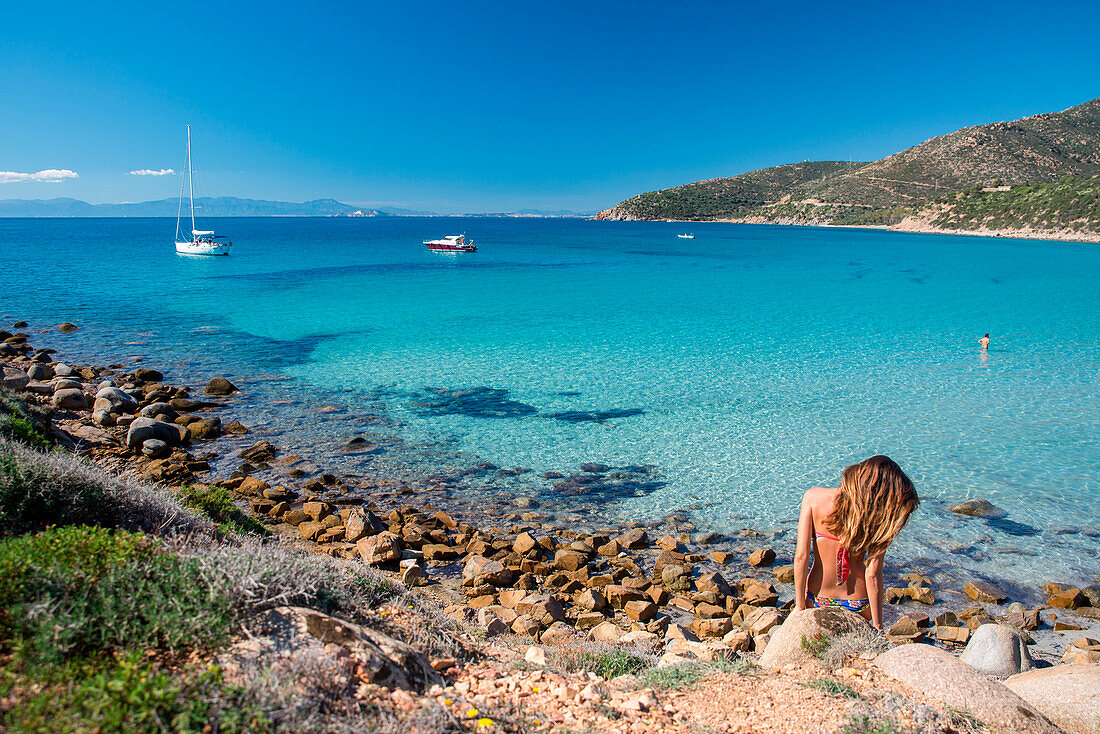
(730, 372)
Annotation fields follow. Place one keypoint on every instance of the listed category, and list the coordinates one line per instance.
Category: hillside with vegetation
(1036, 173)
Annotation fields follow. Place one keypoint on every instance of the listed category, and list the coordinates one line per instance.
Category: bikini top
(843, 560)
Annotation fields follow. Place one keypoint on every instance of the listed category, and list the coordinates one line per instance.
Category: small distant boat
(203, 241)
(686, 236)
(451, 243)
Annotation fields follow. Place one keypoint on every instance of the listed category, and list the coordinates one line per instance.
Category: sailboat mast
(190, 182)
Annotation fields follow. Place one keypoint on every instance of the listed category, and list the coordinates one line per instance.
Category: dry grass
(840, 650)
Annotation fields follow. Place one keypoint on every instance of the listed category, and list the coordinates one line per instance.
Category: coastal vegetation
(1037, 173)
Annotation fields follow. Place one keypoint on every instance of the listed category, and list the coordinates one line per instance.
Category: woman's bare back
(824, 577)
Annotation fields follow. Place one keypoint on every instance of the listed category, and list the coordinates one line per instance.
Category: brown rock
(634, 539)
(252, 486)
(759, 593)
(295, 517)
(618, 596)
(543, 608)
(669, 543)
(605, 632)
(985, 593)
(525, 543)
(658, 595)
(905, 628)
(526, 625)
(378, 549)
(481, 570)
(569, 560)
(710, 611)
(721, 557)
(640, 611)
(259, 452)
(361, 523)
(592, 600)
(978, 508)
(316, 510)
(715, 627)
(480, 602)
(220, 386)
(510, 597)
(761, 620)
(1067, 599)
(438, 552)
(762, 557)
(784, 574)
(715, 583)
(953, 635)
(445, 520)
(611, 548)
(311, 530)
(589, 620)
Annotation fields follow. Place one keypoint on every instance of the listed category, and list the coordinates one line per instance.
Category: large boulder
(480, 570)
(13, 378)
(979, 508)
(1068, 695)
(786, 645)
(71, 398)
(113, 400)
(941, 676)
(142, 429)
(997, 650)
(152, 410)
(220, 386)
(378, 549)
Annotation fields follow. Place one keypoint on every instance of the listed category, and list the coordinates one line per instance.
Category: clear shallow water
(752, 361)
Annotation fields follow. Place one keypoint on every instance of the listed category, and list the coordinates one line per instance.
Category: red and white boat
(451, 243)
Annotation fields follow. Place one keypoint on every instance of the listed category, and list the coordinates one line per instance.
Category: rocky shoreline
(683, 594)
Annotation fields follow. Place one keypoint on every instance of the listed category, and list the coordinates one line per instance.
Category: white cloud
(150, 172)
(51, 175)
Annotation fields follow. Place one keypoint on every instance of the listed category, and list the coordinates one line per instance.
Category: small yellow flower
(447, 702)
(471, 713)
(484, 721)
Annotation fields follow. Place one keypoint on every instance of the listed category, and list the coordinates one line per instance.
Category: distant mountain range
(1036, 174)
(230, 206)
(212, 206)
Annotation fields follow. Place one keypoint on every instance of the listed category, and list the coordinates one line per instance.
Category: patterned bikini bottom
(852, 605)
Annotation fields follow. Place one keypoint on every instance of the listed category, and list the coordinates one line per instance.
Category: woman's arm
(872, 576)
(802, 552)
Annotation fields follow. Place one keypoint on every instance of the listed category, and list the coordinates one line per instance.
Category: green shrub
(129, 694)
(19, 423)
(75, 591)
(833, 688)
(217, 504)
(604, 660)
(33, 497)
(674, 676)
(816, 645)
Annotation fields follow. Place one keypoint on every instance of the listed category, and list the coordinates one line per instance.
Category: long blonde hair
(875, 501)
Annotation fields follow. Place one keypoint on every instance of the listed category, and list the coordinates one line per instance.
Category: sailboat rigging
(202, 242)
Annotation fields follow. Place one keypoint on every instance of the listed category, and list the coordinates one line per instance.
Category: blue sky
(497, 106)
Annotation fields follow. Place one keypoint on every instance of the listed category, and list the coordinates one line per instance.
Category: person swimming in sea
(848, 529)
(984, 341)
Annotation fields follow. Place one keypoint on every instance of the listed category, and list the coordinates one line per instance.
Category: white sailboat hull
(203, 248)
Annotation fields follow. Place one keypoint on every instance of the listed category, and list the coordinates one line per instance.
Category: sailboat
(203, 241)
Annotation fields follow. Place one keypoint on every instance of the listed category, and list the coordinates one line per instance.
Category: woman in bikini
(849, 529)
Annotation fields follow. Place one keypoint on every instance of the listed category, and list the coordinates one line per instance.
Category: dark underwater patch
(1012, 528)
(475, 402)
(595, 416)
